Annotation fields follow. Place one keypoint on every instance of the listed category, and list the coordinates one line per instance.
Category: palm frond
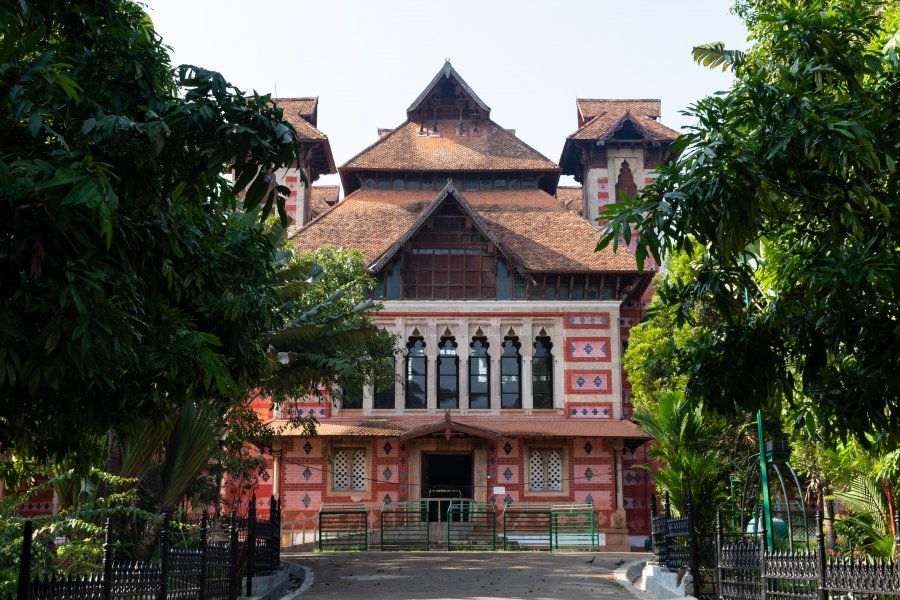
(715, 55)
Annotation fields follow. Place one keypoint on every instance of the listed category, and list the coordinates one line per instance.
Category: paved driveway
(462, 575)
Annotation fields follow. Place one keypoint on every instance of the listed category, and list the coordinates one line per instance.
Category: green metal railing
(343, 527)
(471, 526)
(527, 527)
(404, 526)
(574, 526)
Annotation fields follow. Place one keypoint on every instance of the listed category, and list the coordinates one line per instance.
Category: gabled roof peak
(439, 93)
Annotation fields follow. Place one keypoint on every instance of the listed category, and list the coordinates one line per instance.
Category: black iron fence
(751, 570)
(213, 570)
(741, 566)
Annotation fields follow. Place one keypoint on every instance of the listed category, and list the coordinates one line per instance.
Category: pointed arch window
(385, 396)
(625, 183)
(511, 374)
(416, 373)
(479, 374)
(448, 374)
(542, 373)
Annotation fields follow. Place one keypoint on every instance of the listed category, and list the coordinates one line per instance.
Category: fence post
(24, 588)
(274, 542)
(164, 558)
(897, 533)
(204, 558)
(693, 563)
(668, 506)
(107, 562)
(821, 593)
(763, 548)
(652, 504)
(233, 555)
(719, 543)
(251, 544)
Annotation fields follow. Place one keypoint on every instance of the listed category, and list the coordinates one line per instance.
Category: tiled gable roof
(604, 125)
(588, 108)
(570, 197)
(305, 108)
(405, 149)
(531, 226)
(447, 71)
(323, 197)
(301, 113)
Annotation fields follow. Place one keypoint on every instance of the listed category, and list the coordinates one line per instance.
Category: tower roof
(447, 74)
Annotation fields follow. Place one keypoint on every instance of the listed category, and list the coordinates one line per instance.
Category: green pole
(764, 480)
(763, 471)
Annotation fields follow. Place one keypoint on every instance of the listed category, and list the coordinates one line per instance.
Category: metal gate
(404, 526)
(471, 526)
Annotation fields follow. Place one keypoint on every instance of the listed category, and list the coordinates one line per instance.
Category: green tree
(686, 460)
(330, 342)
(788, 183)
(130, 281)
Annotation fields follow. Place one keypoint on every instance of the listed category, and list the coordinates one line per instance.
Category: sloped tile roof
(570, 197)
(495, 149)
(501, 425)
(299, 113)
(604, 124)
(588, 108)
(304, 108)
(323, 197)
(532, 226)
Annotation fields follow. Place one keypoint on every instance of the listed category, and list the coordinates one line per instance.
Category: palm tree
(684, 455)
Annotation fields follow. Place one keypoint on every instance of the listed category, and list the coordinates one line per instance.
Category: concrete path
(462, 575)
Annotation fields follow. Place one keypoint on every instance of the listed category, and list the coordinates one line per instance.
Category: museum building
(510, 386)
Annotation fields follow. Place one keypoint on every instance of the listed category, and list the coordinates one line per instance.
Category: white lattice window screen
(358, 473)
(554, 471)
(546, 470)
(341, 472)
(536, 469)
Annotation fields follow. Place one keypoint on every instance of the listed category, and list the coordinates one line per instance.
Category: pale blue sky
(528, 60)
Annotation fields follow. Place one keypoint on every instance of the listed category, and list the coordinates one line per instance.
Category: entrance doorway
(445, 475)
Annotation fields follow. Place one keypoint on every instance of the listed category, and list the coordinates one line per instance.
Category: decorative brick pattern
(592, 410)
(588, 382)
(587, 349)
(318, 410)
(587, 321)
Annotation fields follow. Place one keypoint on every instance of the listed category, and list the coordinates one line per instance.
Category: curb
(299, 571)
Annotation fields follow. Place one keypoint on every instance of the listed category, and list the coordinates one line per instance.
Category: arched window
(625, 185)
(416, 373)
(542, 373)
(510, 374)
(384, 396)
(352, 396)
(479, 374)
(448, 374)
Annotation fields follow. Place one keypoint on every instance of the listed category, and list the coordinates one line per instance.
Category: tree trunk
(828, 524)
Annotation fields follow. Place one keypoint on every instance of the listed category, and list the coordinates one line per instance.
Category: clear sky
(367, 60)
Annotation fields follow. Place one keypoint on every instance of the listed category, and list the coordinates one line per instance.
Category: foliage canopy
(788, 182)
(130, 282)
